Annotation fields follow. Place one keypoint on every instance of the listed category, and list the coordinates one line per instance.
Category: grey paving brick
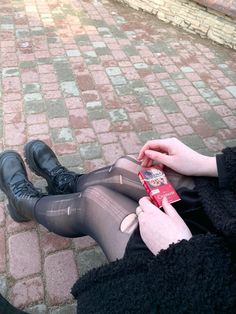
(147, 100)
(71, 160)
(118, 115)
(31, 88)
(56, 108)
(90, 151)
(34, 107)
(94, 105)
(89, 259)
(167, 104)
(3, 285)
(232, 90)
(65, 309)
(113, 71)
(62, 135)
(214, 120)
(194, 141)
(148, 135)
(37, 309)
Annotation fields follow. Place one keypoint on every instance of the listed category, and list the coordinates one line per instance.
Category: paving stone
(15, 134)
(78, 118)
(206, 92)
(214, 120)
(3, 285)
(71, 160)
(155, 115)
(147, 100)
(24, 254)
(140, 65)
(89, 259)
(213, 101)
(32, 97)
(193, 141)
(61, 274)
(51, 242)
(188, 109)
(62, 135)
(213, 144)
(232, 90)
(83, 242)
(184, 130)
(34, 107)
(106, 138)
(186, 69)
(2, 214)
(118, 115)
(230, 121)
(141, 90)
(130, 142)
(37, 309)
(112, 152)
(167, 104)
(22, 293)
(2, 250)
(97, 114)
(69, 89)
(31, 88)
(56, 108)
(230, 143)
(148, 135)
(10, 72)
(111, 71)
(94, 105)
(118, 80)
(85, 82)
(124, 90)
(85, 135)
(63, 71)
(73, 53)
(66, 309)
(90, 151)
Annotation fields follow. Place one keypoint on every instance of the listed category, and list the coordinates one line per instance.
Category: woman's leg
(121, 177)
(96, 211)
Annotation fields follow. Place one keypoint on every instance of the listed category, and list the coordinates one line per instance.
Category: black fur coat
(191, 277)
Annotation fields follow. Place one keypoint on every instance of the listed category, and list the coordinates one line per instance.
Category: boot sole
(11, 208)
(32, 165)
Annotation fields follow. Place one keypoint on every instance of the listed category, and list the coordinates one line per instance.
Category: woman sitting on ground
(179, 260)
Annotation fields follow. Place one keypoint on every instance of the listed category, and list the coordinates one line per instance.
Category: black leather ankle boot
(22, 195)
(42, 160)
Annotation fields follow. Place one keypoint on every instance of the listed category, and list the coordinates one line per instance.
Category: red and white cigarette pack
(157, 186)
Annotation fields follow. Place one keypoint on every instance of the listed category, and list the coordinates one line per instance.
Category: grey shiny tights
(103, 199)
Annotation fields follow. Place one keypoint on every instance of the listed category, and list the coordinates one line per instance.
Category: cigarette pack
(157, 186)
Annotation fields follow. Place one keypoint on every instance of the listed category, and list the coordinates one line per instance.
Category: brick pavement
(96, 80)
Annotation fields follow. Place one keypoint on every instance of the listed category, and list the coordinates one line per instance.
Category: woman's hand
(177, 156)
(159, 229)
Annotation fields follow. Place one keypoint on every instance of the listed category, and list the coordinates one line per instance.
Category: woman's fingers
(159, 145)
(138, 210)
(168, 208)
(147, 206)
(145, 161)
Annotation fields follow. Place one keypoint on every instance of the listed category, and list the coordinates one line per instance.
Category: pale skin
(158, 228)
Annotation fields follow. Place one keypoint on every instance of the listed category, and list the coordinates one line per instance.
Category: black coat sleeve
(226, 164)
(194, 277)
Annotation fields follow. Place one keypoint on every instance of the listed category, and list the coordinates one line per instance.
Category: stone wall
(193, 17)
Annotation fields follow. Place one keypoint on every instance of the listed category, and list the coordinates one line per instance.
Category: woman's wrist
(207, 167)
